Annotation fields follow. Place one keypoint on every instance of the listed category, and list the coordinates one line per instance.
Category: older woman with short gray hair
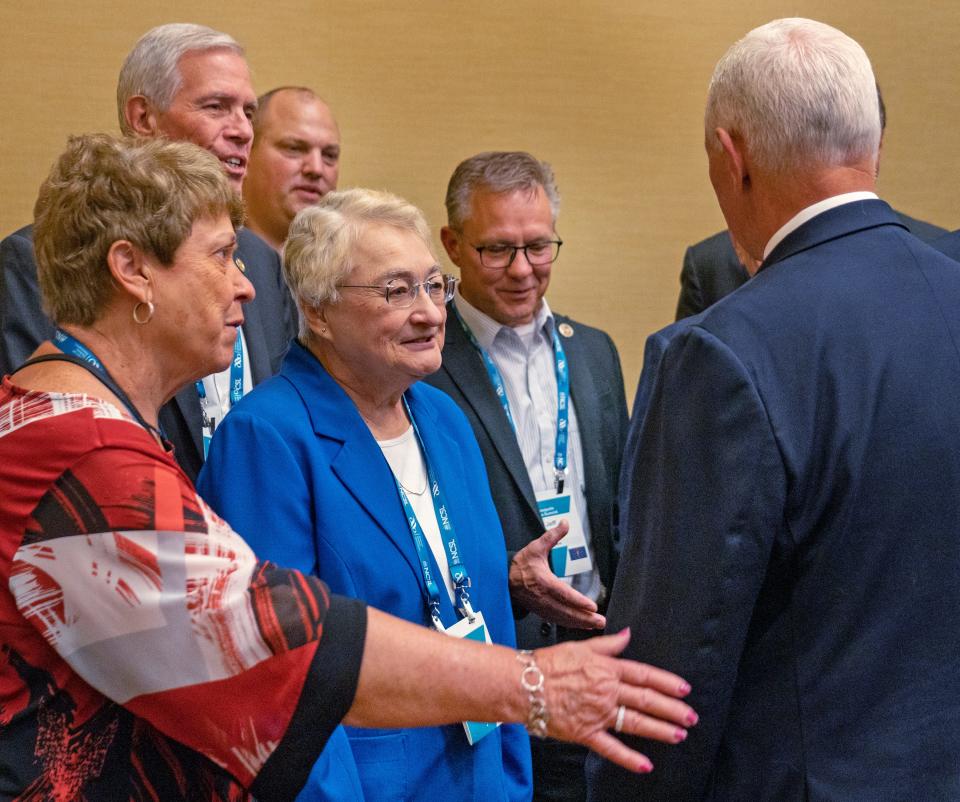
(373, 480)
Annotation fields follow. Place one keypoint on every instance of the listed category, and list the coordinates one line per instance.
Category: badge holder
(471, 627)
(571, 555)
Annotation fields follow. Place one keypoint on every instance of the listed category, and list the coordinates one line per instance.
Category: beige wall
(610, 92)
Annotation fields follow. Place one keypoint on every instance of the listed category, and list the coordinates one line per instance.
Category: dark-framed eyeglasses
(501, 256)
(401, 293)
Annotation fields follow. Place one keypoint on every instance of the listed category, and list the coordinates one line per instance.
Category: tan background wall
(610, 92)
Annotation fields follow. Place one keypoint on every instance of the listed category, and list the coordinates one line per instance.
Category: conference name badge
(473, 629)
(571, 555)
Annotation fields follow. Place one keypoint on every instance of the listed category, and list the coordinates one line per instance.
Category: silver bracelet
(531, 680)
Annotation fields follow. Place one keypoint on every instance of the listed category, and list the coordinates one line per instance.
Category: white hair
(151, 70)
(799, 93)
(318, 253)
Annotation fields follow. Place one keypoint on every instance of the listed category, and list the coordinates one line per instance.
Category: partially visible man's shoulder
(569, 328)
(21, 235)
(714, 246)
(928, 232)
(254, 251)
(948, 244)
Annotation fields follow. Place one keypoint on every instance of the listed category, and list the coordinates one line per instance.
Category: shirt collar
(486, 329)
(812, 211)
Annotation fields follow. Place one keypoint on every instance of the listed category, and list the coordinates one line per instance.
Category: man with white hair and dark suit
(183, 82)
(715, 267)
(791, 489)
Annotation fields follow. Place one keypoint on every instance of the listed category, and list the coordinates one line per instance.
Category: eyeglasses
(501, 256)
(401, 293)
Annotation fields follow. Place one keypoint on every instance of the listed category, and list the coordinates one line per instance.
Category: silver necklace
(410, 490)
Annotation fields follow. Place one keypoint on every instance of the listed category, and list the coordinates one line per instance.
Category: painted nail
(645, 767)
(692, 718)
(679, 735)
(684, 688)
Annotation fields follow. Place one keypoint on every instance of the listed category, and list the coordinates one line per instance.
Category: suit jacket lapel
(465, 367)
(188, 402)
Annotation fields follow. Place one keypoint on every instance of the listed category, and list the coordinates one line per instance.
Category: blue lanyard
(236, 374)
(458, 571)
(72, 346)
(563, 396)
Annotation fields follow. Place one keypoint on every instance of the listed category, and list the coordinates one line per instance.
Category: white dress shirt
(525, 358)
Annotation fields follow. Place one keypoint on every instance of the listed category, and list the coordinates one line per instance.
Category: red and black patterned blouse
(145, 653)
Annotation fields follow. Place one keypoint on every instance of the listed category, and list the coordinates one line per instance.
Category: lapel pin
(565, 329)
(239, 263)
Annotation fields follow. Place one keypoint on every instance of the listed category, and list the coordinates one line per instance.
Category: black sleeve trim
(327, 696)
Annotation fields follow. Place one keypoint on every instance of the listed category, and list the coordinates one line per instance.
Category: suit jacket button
(545, 629)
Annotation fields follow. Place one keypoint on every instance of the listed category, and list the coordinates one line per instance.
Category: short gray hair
(317, 253)
(497, 172)
(800, 93)
(103, 189)
(151, 70)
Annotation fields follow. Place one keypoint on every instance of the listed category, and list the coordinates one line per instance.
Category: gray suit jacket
(269, 325)
(596, 389)
(712, 270)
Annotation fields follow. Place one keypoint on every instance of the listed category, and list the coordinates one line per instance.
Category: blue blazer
(791, 526)
(296, 471)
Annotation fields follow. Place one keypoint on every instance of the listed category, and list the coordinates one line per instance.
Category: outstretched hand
(536, 588)
(585, 685)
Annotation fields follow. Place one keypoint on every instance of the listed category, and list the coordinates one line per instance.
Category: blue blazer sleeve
(704, 491)
(252, 480)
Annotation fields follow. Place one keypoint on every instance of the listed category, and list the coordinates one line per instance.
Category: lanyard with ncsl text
(472, 626)
(73, 347)
(572, 556)
(236, 393)
(563, 397)
(458, 571)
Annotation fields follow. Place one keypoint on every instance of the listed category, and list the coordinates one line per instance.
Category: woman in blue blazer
(309, 469)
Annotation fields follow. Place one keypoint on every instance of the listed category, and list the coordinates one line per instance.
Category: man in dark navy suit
(186, 82)
(791, 488)
(712, 268)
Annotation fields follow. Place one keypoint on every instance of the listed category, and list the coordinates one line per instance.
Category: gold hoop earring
(147, 319)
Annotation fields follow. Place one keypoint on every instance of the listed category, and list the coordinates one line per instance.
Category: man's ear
(130, 270)
(141, 116)
(734, 157)
(451, 244)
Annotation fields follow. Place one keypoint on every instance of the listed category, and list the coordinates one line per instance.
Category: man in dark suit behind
(791, 496)
(186, 82)
(712, 268)
(503, 357)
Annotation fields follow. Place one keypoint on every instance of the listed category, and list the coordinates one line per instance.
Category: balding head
(295, 159)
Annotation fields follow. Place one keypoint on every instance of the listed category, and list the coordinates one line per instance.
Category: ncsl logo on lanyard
(471, 626)
(572, 556)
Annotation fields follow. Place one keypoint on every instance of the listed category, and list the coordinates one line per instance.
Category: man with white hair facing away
(791, 487)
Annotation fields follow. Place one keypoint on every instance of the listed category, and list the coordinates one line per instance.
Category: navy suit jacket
(712, 270)
(269, 324)
(949, 244)
(791, 526)
(296, 471)
(596, 389)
